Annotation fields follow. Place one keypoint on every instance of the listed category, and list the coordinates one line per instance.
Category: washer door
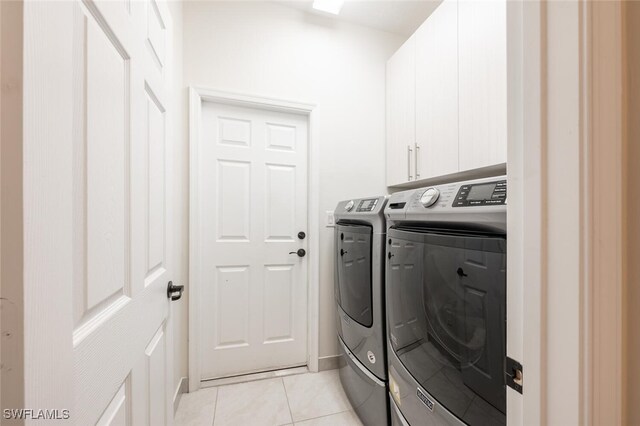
(353, 280)
(446, 309)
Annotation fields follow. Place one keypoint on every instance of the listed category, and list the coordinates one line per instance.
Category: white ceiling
(400, 17)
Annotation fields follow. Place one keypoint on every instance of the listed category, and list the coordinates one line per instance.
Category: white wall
(265, 49)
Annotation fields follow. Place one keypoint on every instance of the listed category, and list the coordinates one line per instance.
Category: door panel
(233, 200)
(118, 412)
(232, 307)
(156, 238)
(101, 169)
(281, 137)
(280, 221)
(156, 373)
(234, 132)
(252, 203)
(278, 303)
(120, 214)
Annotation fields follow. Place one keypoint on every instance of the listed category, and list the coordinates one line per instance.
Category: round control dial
(349, 206)
(429, 197)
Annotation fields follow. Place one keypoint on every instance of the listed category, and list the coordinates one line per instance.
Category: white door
(113, 167)
(252, 198)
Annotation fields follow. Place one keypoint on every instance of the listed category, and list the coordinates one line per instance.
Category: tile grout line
(349, 409)
(215, 407)
(288, 403)
(332, 414)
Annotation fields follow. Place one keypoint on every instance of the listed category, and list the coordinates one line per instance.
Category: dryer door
(353, 280)
(446, 312)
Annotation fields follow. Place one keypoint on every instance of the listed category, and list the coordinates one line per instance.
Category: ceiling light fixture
(329, 6)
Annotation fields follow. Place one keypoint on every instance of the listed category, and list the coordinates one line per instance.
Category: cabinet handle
(409, 151)
(417, 156)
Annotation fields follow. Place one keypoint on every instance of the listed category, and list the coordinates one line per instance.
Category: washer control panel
(481, 194)
(444, 202)
(429, 197)
(367, 205)
(349, 206)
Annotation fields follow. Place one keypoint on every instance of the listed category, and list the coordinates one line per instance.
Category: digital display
(481, 192)
(484, 194)
(367, 205)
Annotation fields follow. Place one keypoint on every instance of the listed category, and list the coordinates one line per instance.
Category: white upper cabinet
(401, 92)
(482, 52)
(447, 93)
(437, 93)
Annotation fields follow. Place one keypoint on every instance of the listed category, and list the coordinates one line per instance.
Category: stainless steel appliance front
(446, 313)
(359, 293)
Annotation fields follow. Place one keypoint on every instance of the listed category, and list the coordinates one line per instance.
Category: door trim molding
(568, 239)
(604, 396)
(196, 96)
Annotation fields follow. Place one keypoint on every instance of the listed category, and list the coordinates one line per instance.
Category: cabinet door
(401, 114)
(437, 92)
(482, 47)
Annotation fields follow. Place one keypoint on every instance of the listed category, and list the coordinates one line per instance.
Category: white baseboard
(182, 387)
(328, 362)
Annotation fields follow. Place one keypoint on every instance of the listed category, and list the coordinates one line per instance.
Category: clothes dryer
(359, 293)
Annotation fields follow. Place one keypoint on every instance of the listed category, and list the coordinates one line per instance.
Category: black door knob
(174, 292)
(302, 235)
(300, 252)
(343, 252)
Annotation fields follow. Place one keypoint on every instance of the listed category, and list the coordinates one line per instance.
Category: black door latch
(513, 376)
(174, 292)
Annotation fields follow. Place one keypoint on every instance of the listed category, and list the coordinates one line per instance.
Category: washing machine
(446, 263)
(359, 293)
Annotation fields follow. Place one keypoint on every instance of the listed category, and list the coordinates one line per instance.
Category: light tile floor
(311, 399)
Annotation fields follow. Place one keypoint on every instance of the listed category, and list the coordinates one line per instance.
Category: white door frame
(196, 96)
(566, 211)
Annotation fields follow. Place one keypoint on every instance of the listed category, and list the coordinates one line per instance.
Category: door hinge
(513, 374)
